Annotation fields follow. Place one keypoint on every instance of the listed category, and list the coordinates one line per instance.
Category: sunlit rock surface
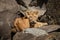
(36, 31)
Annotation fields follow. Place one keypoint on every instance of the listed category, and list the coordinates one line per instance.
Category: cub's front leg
(39, 24)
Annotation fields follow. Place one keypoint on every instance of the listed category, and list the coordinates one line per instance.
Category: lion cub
(21, 24)
(32, 16)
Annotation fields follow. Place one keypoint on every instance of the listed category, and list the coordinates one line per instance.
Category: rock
(50, 28)
(23, 36)
(41, 37)
(52, 16)
(53, 10)
(56, 35)
(8, 10)
(10, 5)
(27, 36)
(35, 31)
(51, 36)
(53, 7)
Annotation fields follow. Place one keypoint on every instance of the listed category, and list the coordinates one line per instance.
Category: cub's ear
(20, 14)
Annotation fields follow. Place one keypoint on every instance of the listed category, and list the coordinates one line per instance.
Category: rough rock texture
(50, 28)
(53, 7)
(36, 31)
(53, 10)
(23, 36)
(27, 36)
(8, 10)
(51, 36)
(52, 15)
(10, 5)
(56, 35)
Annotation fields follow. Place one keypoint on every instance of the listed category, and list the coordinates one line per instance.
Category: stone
(35, 31)
(10, 5)
(8, 10)
(23, 36)
(50, 28)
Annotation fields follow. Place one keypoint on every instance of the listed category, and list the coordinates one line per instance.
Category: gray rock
(50, 28)
(8, 10)
(36, 31)
(23, 36)
(26, 36)
(53, 10)
(56, 35)
(51, 36)
(10, 5)
(27, 2)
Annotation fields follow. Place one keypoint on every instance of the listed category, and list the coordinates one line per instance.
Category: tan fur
(21, 24)
(32, 14)
(39, 24)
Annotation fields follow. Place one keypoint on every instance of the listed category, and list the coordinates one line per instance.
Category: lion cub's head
(33, 13)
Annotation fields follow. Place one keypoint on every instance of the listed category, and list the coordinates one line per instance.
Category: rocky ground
(27, 36)
(9, 11)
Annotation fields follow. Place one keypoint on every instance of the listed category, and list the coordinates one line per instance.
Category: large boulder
(23, 36)
(52, 16)
(10, 5)
(36, 31)
(53, 7)
(8, 10)
(30, 34)
(50, 28)
(53, 10)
